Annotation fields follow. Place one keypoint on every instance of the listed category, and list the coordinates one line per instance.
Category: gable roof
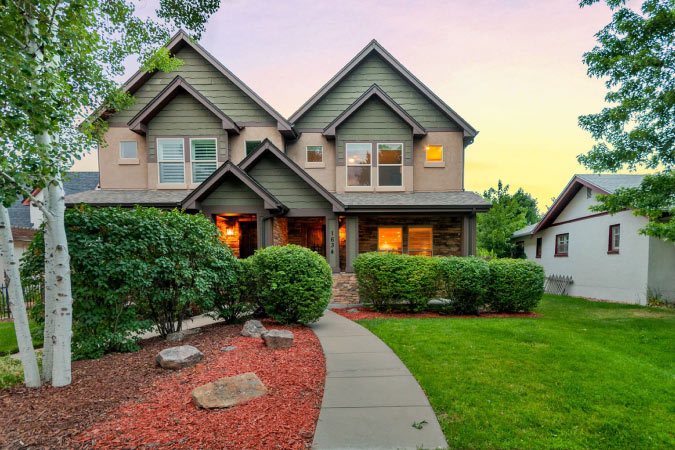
(375, 47)
(267, 147)
(374, 91)
(181, 39)
(213, 181)
(139, 121)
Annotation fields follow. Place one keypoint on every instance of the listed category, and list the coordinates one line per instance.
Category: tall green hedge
(390, 281)
(515, 285)
(465, 282)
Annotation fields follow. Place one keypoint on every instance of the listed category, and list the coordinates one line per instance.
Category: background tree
(636, 56)
(508, 214)
(59, 61)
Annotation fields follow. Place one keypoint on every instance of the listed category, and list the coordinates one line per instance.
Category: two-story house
(374, 161)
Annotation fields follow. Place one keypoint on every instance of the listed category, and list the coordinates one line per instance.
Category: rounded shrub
(390, 281)
(235, 293)
(515, 285)
(294, 284)
(465, 282)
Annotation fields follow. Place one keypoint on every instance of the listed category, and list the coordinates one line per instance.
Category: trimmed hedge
(235, 297)
(389, 280)
(465, 281)
(294, 284)
(515, 285)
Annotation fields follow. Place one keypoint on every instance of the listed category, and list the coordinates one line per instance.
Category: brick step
(345, 289)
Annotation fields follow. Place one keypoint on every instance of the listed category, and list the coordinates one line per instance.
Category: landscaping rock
(275, 339)
(352, 310)
(179, 357)
(229, 391)
(180, 335)
(253, 328)
(229, 348)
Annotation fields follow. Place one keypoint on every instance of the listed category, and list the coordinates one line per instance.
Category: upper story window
(204, 157)
(614, 238)
(390, 164)
(539, 245)
(128, 149)
(171, 159)
(314, 154)
(420, 241)
(434, 153)
(252, 145)
(390, 239)
(359, 161)
(589, 192)
(562, 242)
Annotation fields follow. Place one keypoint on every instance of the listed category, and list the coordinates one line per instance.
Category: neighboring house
(373, 161)
(26, 218)
(604, 254)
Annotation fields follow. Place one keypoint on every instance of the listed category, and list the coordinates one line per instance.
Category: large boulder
(253, 328)
(179, 357)
(229, 391)
(275, 339)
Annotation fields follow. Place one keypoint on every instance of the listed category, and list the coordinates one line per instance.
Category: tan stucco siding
(297, 151)
(447, 177)
(118, 173)
(238, 142)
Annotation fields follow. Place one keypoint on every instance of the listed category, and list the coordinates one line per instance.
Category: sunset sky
(512, 69)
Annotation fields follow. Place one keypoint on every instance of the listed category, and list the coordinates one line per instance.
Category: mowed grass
(585, 375)
(8, 343)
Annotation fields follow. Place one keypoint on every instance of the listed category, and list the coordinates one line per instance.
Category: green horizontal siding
(374, 69)
(374, 121)
(185, 116)
(208, 81)
(285, 185)
(233, 192)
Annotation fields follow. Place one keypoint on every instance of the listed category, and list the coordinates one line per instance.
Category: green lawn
(8, 338)
(586, 375)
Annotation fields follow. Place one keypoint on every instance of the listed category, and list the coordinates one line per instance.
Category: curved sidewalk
(371, 400)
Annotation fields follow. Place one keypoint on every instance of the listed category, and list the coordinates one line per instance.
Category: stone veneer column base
(345, 288)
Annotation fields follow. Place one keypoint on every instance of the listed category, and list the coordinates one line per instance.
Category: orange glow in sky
(512, 69)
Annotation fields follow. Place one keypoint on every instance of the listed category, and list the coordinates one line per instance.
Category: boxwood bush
(515, 285)
(465, 282)
(391, 281)
(294, 283)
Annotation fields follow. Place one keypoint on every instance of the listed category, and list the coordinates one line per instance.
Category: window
(252, 145)
(359, 160)
(128, 150)
(420, 241)
(390, 164)
(561, 244)
(390, 239)
(614, 238)
(314, 153)
(539, 245)
(171, 159)
(589, 192)
(434, 153)
(204, 158)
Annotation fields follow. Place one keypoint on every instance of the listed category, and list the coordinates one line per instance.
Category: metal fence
(31, 295)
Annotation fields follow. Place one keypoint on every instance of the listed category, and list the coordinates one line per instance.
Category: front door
(248, 241)
(316, 238)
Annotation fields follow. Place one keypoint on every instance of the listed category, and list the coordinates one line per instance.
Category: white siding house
(604, 254)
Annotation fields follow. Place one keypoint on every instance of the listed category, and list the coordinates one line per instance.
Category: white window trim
(192, 157)
(159, 161)
(128, 161)
(402, 165)
(314, 164)
(432, 237)
(347, 166)
(440, 163)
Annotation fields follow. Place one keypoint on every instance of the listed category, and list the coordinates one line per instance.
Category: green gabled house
(374, 161)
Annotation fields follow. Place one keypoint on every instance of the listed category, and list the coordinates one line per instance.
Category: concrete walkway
(370, 400)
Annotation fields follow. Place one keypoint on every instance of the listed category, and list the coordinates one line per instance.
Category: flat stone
(253, 328)
(352, 310)
(180, 335)
(229, 391)
(229, 348)
(275, 339)
(179, 357)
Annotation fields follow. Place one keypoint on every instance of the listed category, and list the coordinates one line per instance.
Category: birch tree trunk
(50, 296)
(63, 299)
(31, 373)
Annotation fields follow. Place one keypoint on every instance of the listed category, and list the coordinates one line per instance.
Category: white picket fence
(558, 284)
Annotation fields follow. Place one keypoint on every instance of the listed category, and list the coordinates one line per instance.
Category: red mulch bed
(365, 313)
(125, 401)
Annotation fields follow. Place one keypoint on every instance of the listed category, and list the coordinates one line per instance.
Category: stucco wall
(618, 277)
(443, 177)
(297, 151)
(117, 173)
(661, 281)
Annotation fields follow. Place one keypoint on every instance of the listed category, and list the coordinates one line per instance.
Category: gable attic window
(128, 150)
(434, 153)
(562, 242)
(589, 192)
(203, 155)
(359, 160)
(314, 154)
(251, 146)
(171, 159)
(390, 164)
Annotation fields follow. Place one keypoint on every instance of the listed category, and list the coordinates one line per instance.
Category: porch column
(352, 237)
(469, 235)
(268, 232)
(332, 243)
